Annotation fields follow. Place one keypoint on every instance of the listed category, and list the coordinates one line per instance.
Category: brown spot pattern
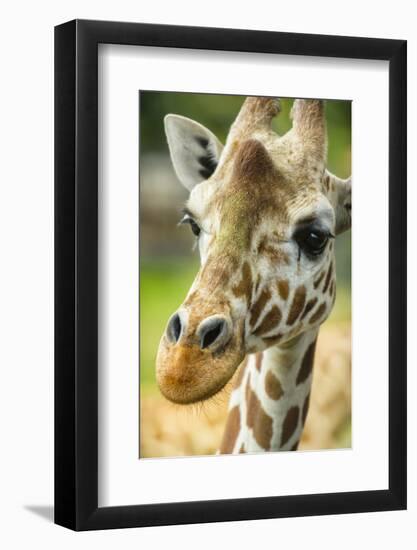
(259, 306)
(272, 340)
(305, 409)
(274, 254)
(277, 256)
(258, 282)
(297, 305)
(258, 360)
(328, 277)
(319, 280)
(244, 288)
(258, 420)
(248, 391)
(283, 289)
(290, 424)
(273, 386)
(241, 373)
(306, 364)
(316, 316)
(309, 306)
(270, 321)
(231, 432)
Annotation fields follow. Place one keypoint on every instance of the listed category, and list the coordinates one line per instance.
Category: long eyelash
(185, 219)
(182, 221)
(187, 212)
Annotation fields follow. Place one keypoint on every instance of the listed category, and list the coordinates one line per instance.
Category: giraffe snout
(198, 354)
(174, 328)
(213, 332)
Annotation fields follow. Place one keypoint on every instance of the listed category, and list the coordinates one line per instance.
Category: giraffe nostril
(212, 331)
(174, 328)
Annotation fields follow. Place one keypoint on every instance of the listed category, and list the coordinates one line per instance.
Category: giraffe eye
(311, 240)
(195, 228)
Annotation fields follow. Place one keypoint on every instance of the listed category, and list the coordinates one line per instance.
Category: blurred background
(168, 266)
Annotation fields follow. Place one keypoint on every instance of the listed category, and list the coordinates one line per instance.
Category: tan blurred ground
(170, 430)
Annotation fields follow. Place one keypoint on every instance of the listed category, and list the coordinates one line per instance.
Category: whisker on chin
(208, 406)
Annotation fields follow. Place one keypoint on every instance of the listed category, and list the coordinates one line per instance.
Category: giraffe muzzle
(197, 356)
(212, 333)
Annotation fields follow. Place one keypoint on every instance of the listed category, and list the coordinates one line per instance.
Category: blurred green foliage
(163, 286)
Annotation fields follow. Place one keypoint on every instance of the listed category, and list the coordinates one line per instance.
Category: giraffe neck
(269, 403)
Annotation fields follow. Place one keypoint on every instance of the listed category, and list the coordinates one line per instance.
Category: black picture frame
(76, 272)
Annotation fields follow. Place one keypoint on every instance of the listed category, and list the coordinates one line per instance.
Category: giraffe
(265, 212)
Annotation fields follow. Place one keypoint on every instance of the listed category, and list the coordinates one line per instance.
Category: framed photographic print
(230, 251)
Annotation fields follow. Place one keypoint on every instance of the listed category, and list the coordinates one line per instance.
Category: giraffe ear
(195, 151)
(340, 194)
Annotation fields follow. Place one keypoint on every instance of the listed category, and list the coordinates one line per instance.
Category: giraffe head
(265, 212)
